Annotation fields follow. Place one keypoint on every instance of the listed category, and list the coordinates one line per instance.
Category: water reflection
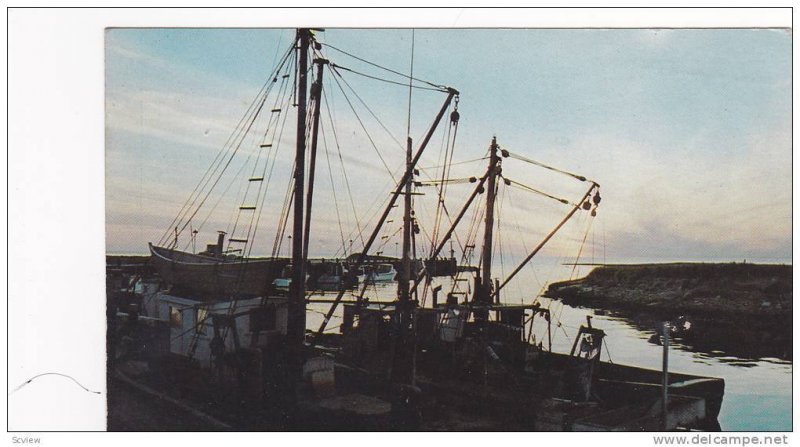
(758, 391)
(736, 343)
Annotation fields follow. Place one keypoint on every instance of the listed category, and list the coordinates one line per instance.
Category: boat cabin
(194, 325)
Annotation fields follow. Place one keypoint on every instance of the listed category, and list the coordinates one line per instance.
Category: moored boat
(473, 352)
(215, 277)
(382, 273)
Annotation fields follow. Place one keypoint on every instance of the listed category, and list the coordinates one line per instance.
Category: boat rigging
(476, 338)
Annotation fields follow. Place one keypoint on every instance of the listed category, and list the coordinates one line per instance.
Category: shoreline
(743, 309)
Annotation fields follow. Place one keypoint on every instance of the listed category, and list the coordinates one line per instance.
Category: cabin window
(201, 322)
(263, 319)
(175, 317)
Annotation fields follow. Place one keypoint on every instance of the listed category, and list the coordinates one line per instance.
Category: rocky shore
(742, 308)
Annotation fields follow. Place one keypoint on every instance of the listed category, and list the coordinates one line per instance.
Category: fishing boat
(482, 352)
(228, 268)
(284, 282)
(382, 273)
(468, 350)
(221, 319)
(206, 275)
(337, 275)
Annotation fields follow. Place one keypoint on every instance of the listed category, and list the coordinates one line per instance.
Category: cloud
(691, 162)
(725, 205)
(161, 136)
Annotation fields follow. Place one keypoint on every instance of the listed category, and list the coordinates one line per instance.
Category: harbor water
(758, 392)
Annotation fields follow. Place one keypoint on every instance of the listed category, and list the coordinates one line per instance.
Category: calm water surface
(758, 393)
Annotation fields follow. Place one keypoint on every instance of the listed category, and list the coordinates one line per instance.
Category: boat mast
(478, 190)
(395, 194)
(593, 188)
(485, 292)
(296, 325)
(316, 96)
(405, 271)
(400, 370)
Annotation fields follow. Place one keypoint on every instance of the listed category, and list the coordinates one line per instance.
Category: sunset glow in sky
(688, 131)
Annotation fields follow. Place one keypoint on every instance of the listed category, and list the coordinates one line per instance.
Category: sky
(688, 132)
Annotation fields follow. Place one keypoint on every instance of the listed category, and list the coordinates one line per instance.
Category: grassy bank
(743, 309)
(736, 289)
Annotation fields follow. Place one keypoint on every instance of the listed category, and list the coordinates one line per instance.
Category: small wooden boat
(206, 276)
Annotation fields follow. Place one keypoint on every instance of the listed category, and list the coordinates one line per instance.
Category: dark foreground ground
(130, 409)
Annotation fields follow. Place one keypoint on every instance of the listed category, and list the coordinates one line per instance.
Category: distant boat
(283, 283)
(338, 276)
(210, 275)
(382, 273)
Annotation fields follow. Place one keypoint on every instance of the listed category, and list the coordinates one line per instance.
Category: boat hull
(213, 278)
(383, 277)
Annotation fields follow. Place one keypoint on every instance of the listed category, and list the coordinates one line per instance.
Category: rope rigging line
(191, 200)
(284, 104)
(243, 135)
(586, 206)
(235, 216)
(469, 246)
(224, 168)
(445, 211)
(410, 85)
(376, 206)
(534, 190)
(461, 246)
(580, 250)
(363, 127)
(454, 235)
(441, 206)
(266, 183)
(542, 165)
(268, 178)
(521, 236)
(360, 122)
(214, 207)
(366, 106)
(561, 304)
(256, 163)
(283, 218)
(437, 86)
(425, 233)
(441, 191)
(608, 351)
(387, 80)
(333, 186)
(201, 185)
(331, 118)
(498, 220)
(455, 163)
(385, 239)
(562, 258)
(448, 181)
